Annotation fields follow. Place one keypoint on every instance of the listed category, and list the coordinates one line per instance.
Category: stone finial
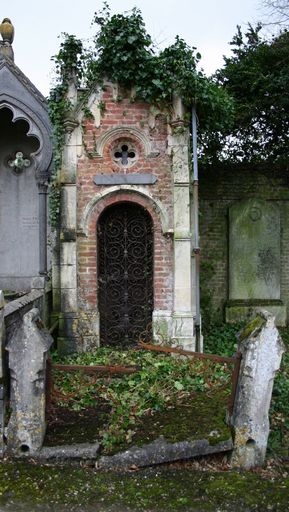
(7, 31)
(28, 349)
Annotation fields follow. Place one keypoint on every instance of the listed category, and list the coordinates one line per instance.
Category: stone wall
(220, 189)
(15, 310)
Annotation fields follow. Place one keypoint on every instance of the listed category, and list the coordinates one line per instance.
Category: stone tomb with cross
(25, 167)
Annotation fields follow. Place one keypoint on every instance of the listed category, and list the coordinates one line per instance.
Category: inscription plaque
(125, 179)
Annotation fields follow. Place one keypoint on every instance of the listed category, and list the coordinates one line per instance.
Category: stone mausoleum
(126, 269)
(25, 167)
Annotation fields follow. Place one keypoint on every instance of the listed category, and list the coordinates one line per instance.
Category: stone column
(42, 191)
(2, 374)
(68, 322)
(27, 350)
(262, 349)
(183, 314)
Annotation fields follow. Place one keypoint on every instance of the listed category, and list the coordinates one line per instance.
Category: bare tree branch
(276, 12)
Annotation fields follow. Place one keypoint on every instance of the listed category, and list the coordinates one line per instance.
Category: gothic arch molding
(125, 131)
(116, 193)
(37, 128)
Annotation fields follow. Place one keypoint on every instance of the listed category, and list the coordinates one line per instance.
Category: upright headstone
(28, 350)
(254, 259)
(261, 348)
(254, 250)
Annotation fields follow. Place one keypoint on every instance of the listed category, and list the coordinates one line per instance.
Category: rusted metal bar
(54, 326)
(234, 381)
(103, 369)
(49, 383)
(196, 355)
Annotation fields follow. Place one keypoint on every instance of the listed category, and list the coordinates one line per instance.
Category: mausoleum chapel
(122, 261)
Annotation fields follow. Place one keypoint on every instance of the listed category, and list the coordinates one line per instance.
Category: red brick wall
(136, 115)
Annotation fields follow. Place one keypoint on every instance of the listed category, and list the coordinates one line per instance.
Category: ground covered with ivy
(178, 398)
(162, 385)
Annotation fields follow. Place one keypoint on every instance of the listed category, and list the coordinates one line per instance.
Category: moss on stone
(199, 417)
(28, 487)
(254, 325)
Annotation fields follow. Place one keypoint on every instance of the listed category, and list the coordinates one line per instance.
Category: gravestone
(254, 250)
(254, 259)
(19, 225)
(28, 349)
(261, 348)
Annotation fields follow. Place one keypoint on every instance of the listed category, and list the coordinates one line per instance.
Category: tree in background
(276, 12)
(243, 109)
(257, 77)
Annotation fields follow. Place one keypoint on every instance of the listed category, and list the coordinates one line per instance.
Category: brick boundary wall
(219, 189)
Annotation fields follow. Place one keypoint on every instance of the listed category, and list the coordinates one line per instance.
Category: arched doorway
(125, 274)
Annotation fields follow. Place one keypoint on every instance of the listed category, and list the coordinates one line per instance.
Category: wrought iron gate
(125, 274)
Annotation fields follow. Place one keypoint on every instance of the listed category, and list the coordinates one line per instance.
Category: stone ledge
(79, 451)
(23, 301)
(239, 311)
(160, 451)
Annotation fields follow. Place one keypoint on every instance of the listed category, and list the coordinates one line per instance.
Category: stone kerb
(262, 348)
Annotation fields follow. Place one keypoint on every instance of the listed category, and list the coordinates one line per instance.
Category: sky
(208, 25)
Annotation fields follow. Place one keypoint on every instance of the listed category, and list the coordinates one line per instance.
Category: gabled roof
(26, 102)
(21, 77)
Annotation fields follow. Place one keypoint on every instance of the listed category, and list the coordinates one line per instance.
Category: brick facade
(159, 153)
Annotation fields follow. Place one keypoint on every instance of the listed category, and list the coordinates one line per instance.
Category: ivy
(69, 63)
(123, 53)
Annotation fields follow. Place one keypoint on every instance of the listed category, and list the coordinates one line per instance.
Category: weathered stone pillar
(42, 191)
(28, 350)
(68, 320)
(183, 314)
(262, 349)
(2, 374)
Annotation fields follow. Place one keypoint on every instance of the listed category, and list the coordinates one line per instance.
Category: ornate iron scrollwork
(125, 274)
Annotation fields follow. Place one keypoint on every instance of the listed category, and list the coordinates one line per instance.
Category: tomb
(25, 166)
(125, 268)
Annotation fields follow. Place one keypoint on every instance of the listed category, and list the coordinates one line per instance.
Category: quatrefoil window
(124, 155)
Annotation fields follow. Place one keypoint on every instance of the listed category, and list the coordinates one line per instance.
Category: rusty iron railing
(199, 355)
(118, 370)
(96, 370)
